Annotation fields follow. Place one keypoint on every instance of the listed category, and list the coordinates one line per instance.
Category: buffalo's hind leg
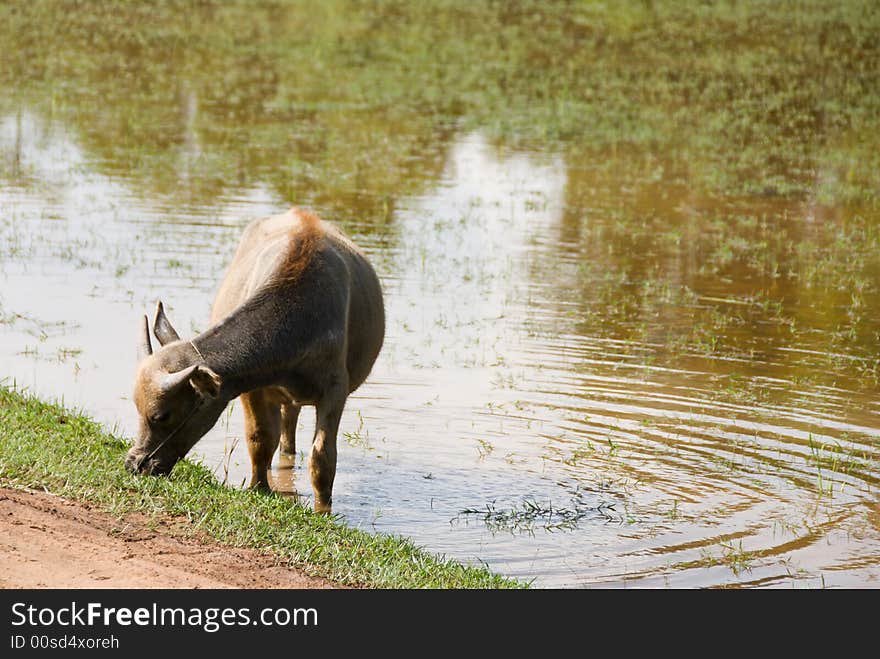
(322, 464)
(262, 426)
(289, 416)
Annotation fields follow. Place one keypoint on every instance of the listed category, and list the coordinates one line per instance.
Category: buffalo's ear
(162, 327)
(206, 382)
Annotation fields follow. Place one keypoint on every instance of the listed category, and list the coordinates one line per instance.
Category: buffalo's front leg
(262, 427)
(322, 465)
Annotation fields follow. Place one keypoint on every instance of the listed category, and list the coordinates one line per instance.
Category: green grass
(46, 446)
(339, 100)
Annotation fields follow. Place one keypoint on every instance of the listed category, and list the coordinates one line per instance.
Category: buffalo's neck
(249, 348)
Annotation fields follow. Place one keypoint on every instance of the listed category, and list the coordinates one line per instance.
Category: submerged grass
(531, 514)
(44, 445)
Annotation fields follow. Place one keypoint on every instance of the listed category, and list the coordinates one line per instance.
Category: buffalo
(298, 320)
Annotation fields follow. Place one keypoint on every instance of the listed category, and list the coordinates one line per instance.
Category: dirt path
(50, 542)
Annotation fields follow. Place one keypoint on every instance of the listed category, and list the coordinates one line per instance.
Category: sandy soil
(50, 542)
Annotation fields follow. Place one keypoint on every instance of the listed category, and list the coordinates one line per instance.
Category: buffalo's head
(177, 397)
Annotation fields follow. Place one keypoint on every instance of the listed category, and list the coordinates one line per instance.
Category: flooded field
(631, 260)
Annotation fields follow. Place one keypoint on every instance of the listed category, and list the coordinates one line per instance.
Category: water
(596, 372)
(498, 386)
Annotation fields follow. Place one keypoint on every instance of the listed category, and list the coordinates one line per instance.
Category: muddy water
(577, 386)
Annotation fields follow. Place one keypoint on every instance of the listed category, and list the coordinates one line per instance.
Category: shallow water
(595, 373)
(586, 455)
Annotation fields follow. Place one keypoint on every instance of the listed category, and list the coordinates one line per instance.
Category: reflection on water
(591, 375)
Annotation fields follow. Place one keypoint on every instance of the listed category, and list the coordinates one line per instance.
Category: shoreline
(46, 447)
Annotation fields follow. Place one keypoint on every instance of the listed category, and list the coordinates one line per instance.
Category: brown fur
(304, 242)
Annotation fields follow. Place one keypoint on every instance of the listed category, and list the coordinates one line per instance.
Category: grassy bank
(43, 445)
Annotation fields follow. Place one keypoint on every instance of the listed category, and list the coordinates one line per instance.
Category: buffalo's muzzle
(137, 464)
(132, 461)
